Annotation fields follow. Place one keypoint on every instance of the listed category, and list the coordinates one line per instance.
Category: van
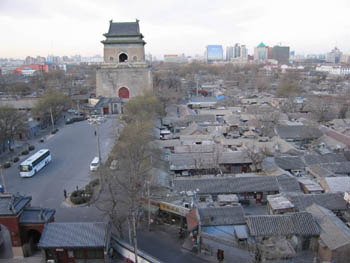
(95, 164)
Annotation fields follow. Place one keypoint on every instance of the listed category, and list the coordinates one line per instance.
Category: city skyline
(40, 28)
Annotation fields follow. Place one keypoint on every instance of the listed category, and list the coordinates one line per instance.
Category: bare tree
(125, 188)
(255, 155)
(51, 106)
(323, 109)
(12, 122)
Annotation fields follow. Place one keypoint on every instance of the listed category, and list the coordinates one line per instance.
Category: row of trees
(125, 188)
(14, 122)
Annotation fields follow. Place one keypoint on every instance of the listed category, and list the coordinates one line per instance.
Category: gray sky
(68, 27)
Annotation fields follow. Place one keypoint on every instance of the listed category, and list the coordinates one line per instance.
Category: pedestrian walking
(65, 194)
(95, 133)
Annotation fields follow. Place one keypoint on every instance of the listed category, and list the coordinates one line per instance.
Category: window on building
(78, 253)
(94, 253)
(50, 254)
(123, 57)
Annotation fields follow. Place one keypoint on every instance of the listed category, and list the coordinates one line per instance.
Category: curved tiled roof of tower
(127, 28)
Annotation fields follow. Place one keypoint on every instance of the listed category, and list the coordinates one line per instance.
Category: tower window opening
(123, 57)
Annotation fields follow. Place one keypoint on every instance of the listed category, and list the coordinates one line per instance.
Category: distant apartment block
(334, 56)
(237, 53)
(334, 70)
(174, 58)
(261, 53)
(281, 54)
(229, 53)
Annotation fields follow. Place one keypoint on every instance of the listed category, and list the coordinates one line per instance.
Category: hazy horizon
(39, 27)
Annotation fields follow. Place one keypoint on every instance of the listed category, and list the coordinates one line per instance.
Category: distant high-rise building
(261, 53)
(40, 60)
(281, 54)
(237, 51)
(244, 53)
(29, 60)
(334, 56)
(229, 53)
(214, 53)
(345, 58)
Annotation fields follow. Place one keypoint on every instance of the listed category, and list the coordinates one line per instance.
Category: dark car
(80, 118)
(70, 121)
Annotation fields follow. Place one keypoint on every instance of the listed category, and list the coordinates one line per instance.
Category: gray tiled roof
(199, 118)
(298, 132)
(221, 216)
(337, 168)
(12, 204)
(32, 215)
(332, 201)
(186, 161)
(193, 127)
(128, 28)
(325, 158)
(334, 233)
(232, 185)
(74, 235)
(288, 183)
(302, 224)
(290, 163)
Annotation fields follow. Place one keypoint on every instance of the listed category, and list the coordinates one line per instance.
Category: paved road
(72, 149)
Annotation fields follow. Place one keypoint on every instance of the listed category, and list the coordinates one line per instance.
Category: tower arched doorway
(123, 93)
(123, 57)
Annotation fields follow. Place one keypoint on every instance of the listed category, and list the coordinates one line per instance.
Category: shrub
(31, 148)
(7, 165)
(24, 152)
(79, 197)
(15, 160)
(54, 131)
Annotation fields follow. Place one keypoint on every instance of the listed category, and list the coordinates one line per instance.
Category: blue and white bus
(34, 163)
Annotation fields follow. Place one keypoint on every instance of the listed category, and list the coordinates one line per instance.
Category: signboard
(175, 209)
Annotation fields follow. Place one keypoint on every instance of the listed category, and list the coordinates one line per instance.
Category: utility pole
(134, 236)
(149, 206)
(98, 142)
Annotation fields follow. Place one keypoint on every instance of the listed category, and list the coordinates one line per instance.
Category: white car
(95, 164)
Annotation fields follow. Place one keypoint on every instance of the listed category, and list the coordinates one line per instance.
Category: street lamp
(97, 123)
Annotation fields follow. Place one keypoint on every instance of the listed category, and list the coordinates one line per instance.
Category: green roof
(261, 45)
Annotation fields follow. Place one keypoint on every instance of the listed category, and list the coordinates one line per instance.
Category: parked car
(69, 120)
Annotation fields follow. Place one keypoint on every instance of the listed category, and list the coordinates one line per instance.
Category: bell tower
(124, 73)
(124, 43)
